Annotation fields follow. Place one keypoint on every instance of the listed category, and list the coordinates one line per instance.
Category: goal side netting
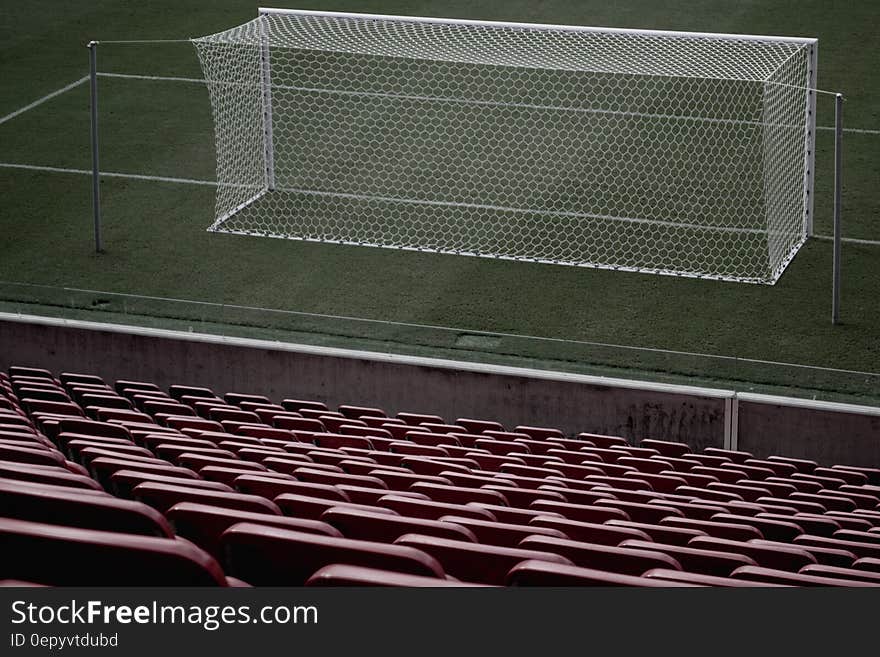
(644, 151)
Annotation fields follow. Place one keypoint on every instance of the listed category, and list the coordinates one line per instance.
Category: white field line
(211, 183)
(858, 131)
(42, 100)
(128, 76)
(108, 174)
(851, 240)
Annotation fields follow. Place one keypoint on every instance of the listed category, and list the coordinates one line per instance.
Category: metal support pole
(838, 147)
(268, 139)
(96, 191)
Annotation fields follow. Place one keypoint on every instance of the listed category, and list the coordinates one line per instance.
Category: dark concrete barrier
(451, 389)
(825, 432)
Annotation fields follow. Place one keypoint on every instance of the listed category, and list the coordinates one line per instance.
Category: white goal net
(673, 153)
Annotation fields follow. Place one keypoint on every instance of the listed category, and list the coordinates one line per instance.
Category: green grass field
(157, 246)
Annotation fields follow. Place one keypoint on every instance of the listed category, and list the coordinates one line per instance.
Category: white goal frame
(809, 124)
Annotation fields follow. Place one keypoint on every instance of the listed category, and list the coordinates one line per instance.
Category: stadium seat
(770, 575)
(386, 528)
(660, 533)
(474, 562)
(783, 558)
(589, 532)
(269, 556)
(701, 580)
(163, 496)
(625, 560)
(344, 575)
(51, 475)
(32, 551)
(204, 524)
(543, 573)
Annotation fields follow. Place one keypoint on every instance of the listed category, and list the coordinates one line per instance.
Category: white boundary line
(42, 100)
(851, 240)
(108, 174)
(160, 78)
(211, 183)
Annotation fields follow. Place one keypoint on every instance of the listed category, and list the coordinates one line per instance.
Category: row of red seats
(130, 484)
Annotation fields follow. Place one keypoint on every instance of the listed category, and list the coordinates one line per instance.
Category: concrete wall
(450, 389)
(827, 433)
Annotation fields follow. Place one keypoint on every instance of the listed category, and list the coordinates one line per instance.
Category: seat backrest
(474, 562)
(37, 455)
(271, 487)
(67, 506)
(783, 558)
(279, 557)
(774, 576)
(123, 482)
(163, 496)
(701, 580)
(204, 524)
(386, 528)
(626, 560)
(737, 531)
(590, 532)
(53, 475)
(103, 467)
(661, 533)
(502, 533)
(642, 512)
(842, 573)
(543, 573)
(458, 494)
(67, 556)
(429, 510)
(580, 512)
(312, 508)
(705, 562)
(859, 548)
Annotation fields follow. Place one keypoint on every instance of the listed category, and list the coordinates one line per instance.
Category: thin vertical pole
(96, 191)
(266, 74)
(838, 156)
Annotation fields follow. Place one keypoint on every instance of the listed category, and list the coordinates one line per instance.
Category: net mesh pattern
(669, 154)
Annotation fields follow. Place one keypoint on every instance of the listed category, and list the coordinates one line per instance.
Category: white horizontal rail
(542, 27)
(812, 404)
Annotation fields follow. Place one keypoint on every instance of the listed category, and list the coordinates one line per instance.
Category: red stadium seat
(473, 562)
(784, 558)
(269, 556)
(386, 528)
(773, 576)
(625, 560)
(163, 496)
(32, 551)
(707, 562)
(343, 575)
(204, 524)
(543, 573)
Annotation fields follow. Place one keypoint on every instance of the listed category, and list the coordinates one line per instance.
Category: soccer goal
(688, 154)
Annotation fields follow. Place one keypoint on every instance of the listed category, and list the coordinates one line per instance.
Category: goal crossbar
(542, 27)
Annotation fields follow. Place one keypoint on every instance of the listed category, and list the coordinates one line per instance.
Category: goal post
(677, 153)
